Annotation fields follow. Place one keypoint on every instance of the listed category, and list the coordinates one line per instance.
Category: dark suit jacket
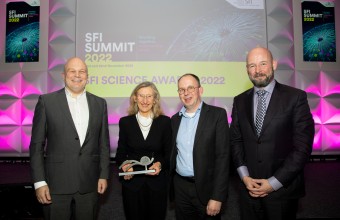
(211, 153)
(132, 146)
(66, 166)
(285, 142)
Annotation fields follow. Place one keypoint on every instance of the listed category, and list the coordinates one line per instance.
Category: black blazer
(285, 142)
(66, 166)
(132, 146)
(211, 153)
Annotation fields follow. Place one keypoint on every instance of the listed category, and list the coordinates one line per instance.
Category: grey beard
(262, 83)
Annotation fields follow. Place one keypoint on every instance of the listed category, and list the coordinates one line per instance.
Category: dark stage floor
(17, 200)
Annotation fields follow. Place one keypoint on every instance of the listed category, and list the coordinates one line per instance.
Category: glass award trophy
(144, 161)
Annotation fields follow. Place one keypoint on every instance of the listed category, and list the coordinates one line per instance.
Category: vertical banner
(318, 28)
(22, 31)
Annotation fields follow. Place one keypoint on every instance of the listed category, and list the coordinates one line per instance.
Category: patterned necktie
(260, 111)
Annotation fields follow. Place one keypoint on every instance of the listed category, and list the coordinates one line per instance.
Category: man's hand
(257, 187)
(43, 195)
(213, 207)
(264, 189)
(102, 185)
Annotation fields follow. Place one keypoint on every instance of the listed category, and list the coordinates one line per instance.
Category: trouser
(78, 206)
(187, 204)
(267, 208)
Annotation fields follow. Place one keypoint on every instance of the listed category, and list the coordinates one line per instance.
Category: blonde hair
(156, 107)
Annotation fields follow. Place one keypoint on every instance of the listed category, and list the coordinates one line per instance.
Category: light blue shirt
(243, 170)
(185, 142)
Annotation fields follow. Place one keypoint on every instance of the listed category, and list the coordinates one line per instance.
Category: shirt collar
(182, 112)
(68, 93)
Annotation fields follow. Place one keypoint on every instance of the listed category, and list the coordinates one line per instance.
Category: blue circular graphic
(319, 43)
(224, 34)
(22, 45)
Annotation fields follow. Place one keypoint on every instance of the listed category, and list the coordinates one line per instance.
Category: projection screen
(127, 42)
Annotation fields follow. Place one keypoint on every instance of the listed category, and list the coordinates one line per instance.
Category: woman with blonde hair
(146, 131)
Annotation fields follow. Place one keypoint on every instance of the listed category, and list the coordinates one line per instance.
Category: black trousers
(187, 204)
(144, 204)
(267, 208)
(78, 206)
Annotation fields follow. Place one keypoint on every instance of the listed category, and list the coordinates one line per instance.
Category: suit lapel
(201, 123)
(249, 109)
(65, 108)
(176, 123)
(272, 107)
(91, 105)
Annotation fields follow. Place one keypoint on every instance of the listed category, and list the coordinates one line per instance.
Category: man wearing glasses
(199, 160)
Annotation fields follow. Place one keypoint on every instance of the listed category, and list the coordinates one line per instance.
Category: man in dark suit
(270, 153)
(69, 149)
(200, 154)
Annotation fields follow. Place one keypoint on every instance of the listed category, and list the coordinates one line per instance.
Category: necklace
(147, 127)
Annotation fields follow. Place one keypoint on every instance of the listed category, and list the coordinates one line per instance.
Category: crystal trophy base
(144, 161)
(136, 172)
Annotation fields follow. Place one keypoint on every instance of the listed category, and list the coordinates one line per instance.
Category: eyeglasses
(142, 97)
(190, 89)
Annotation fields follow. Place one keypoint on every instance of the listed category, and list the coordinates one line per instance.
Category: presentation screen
(127, 42)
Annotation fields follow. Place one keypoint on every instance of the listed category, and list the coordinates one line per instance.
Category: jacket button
(260, 161)
(259, 141)
(77, 138)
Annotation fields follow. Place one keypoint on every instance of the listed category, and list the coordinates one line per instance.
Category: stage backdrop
(127, 42)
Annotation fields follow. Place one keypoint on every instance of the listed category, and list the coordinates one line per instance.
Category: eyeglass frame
(181, 91)
(142, 97)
